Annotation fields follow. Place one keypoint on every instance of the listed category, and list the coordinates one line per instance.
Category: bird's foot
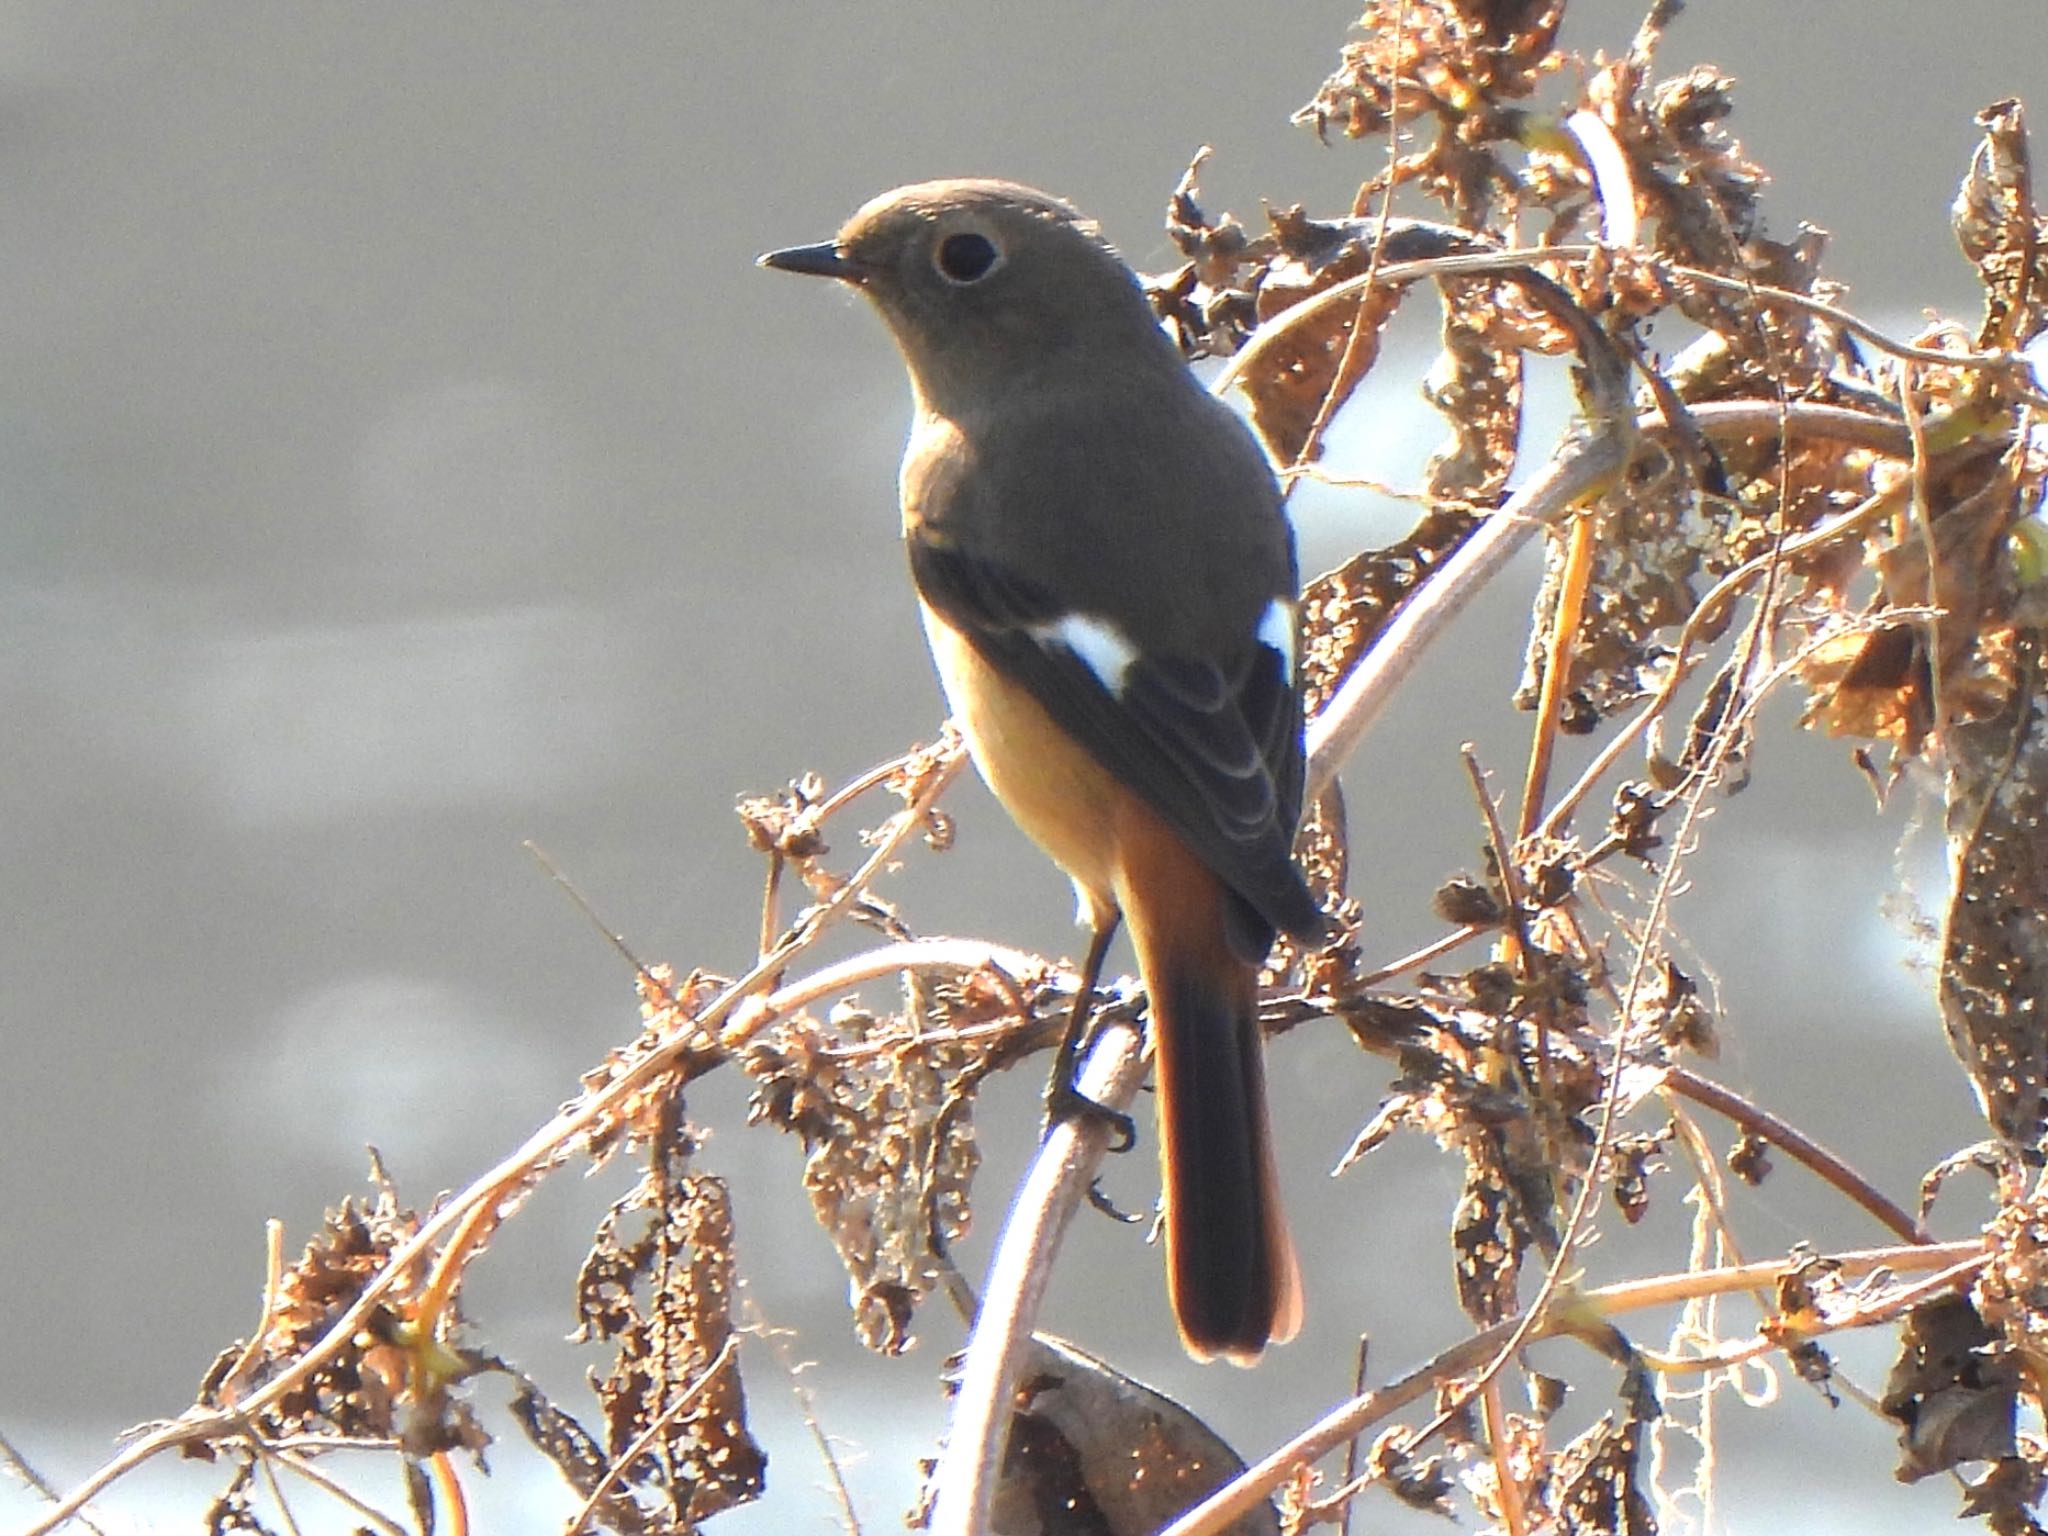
(1063, 1101)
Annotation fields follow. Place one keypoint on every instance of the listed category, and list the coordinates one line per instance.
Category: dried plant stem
(1416, 958)
(1582, 470)
(1923, 522)
(540, 1150)
(442, 1466)
(1797, 1145)
(300, 1467)
(966, 1474)
(889, 959)
(1514, 1514)
(1358, 1379)
(1887, 1307)
(1517, 928)
(1568, 1312)
(265, 1464)
(771, 890)
(1557, 663)
(1515, 259)
(777, 1341)
(18, 1466)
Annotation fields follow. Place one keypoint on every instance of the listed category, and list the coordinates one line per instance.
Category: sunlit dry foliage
(1782, 498)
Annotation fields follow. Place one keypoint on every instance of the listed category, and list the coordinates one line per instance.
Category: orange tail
(1230, 1265)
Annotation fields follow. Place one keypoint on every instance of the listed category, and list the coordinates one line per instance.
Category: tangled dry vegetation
(1789, 500)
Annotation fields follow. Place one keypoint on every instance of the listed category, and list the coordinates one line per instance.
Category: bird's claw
(1063, 1101)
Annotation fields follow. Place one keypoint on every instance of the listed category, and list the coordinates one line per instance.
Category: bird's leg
(1063, 1097)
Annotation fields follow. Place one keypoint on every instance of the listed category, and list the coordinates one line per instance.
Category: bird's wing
(1213, 744)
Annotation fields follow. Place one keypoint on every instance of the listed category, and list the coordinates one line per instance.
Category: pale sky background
(401, 459)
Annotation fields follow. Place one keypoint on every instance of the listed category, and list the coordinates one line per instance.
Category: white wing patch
(1276, 630)
(1099, 644)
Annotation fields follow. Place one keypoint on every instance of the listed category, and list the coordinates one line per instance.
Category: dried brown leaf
(1479, 392)
(1092, 1450)
(1994, 952)
(1999, 230)
(884, 1109)
(394, 1378)
(1598, 1486)
(1317, 356)
(1344, 610)
(658, 1285)
(1489, 1233)
(1954, 1397)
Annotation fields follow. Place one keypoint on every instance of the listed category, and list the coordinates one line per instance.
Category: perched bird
(1108, 583)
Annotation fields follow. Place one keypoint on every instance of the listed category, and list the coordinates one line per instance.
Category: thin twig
(1682, 658)
(934, 954)
(1351, 1446)
(442, 1467)
(1514, 1514)
(582, 903)
(1568, 1311)
(1557, 661)
(1503, 858)
(1923, 522)
(1416, 958)
(771, 889)
(284, 1508)
(1797, 1145)
(24, 1472)
(333, 1487)
(1475, 263)
(1887, 1308)
(807, 1409)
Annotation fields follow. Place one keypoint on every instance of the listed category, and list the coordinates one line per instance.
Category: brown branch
(1797, 1145)
(1582, 470)
(1568, 1312)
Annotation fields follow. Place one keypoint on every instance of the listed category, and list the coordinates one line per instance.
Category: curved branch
(1580, 471)
(1569, 1311)
(966, 1474)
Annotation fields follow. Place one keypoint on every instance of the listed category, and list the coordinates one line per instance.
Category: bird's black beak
(826, 260)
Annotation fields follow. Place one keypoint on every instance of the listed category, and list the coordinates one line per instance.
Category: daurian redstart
(1108, 582)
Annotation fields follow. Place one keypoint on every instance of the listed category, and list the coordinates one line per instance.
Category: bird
(1108, 583)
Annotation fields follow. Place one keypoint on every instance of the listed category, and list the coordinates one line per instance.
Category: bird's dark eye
(966, 258)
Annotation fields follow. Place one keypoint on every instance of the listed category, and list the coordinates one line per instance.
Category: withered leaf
(1953, 1396)
(1600, 1486)
(2000, 232)
(1479, 392)
(1994, 948)
(1093, 1451)
(884, 1107)
(658, 1284)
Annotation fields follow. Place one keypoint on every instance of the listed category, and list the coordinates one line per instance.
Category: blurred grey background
(400, 459)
